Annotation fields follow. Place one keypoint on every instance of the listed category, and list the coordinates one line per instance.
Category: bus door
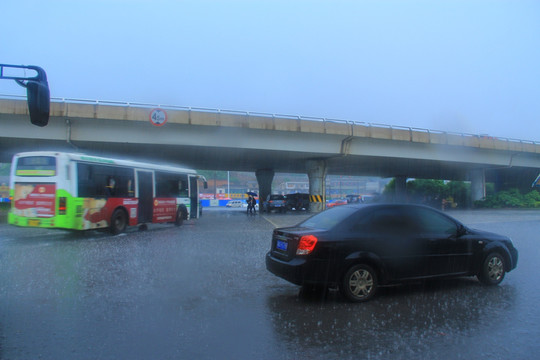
(194, 196)
(146, 195)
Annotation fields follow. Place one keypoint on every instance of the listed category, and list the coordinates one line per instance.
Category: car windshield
(326, 220)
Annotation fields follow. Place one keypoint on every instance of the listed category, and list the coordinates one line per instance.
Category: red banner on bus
(34, 200)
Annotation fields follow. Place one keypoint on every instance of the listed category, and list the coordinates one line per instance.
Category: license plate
(282, 245)
(33, 222)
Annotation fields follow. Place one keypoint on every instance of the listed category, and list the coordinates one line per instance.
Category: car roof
(376, 205)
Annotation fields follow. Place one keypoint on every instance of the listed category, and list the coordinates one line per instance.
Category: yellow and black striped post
(316, 198)
(316, 203)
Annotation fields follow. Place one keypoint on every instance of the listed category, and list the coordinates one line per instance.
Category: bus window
(110, 187)
(171, 185)
(130, 190)
(104, 181)
(36, 166)
(183, 189)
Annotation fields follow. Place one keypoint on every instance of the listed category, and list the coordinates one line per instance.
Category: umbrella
(251, 193)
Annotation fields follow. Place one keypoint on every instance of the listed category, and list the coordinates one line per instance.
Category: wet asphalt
(201, 291)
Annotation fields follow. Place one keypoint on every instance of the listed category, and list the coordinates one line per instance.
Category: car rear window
(327, 219)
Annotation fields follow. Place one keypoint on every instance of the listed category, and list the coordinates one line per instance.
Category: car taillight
(306, 245)
(62, 206)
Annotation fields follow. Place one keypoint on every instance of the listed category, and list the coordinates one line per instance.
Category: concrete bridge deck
(246, 141)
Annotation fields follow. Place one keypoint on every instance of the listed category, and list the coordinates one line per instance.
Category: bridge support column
(316, 170)
(401, 188)
(478, 184)
(264, 179)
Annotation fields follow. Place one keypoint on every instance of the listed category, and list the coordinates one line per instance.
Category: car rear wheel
(492, 272)
(118, 221)
(359, 283)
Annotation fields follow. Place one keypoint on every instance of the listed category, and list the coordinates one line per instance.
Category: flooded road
(202, 291)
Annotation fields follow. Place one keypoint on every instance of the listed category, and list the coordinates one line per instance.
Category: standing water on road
(202, 291)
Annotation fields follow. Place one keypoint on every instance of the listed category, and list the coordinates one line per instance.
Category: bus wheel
(180, 215)
(118, 221)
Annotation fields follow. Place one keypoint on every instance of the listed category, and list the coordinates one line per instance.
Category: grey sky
(463, 66)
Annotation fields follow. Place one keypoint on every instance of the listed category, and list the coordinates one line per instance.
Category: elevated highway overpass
(265, 143)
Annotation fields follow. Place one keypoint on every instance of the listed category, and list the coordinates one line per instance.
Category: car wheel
(359, 283)
(492, 271)
(118, 221)
(180, 215)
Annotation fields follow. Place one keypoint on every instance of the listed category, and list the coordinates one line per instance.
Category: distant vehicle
(359, 247)
(275, 202)
(83, 192)
(336, 203)
(369, 198)
(235, 203)
(352, 199)
(297, 201)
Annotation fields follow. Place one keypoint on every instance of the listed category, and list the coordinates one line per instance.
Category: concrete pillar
(316, 170)
(478, 184)
(264, 179)
(401, 189)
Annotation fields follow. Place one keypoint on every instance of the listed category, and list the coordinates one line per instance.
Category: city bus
(82, 192)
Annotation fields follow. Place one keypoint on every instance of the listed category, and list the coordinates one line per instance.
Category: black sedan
(359, 247)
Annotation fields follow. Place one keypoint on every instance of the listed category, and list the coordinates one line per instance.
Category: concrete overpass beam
(478, 184)
(264, 179)
(316, 170)
(401, 188)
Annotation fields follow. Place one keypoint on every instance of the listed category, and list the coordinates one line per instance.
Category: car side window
(431, 222)
(385, 221)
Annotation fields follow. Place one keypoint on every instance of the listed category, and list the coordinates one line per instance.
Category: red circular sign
(158, 117)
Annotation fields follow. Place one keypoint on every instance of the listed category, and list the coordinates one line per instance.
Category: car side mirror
(461, 230)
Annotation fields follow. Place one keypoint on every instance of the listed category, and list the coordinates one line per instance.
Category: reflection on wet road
(202, 291)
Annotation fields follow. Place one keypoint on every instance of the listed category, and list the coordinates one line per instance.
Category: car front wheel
(492, 272)
(180, 215)
(359, 283)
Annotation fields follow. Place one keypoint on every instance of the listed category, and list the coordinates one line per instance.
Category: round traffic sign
(158, 117)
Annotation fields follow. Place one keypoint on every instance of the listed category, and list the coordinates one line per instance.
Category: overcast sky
(463, 66)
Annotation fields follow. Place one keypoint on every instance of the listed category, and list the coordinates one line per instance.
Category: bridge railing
(356, 128)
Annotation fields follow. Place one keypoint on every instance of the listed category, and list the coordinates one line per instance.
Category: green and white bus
(82, 192)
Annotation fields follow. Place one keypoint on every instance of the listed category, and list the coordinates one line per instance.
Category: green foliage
(389, 189)
(427, 188)
(460, 192)
(457, 194)
(432, 192)
(510, 199)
